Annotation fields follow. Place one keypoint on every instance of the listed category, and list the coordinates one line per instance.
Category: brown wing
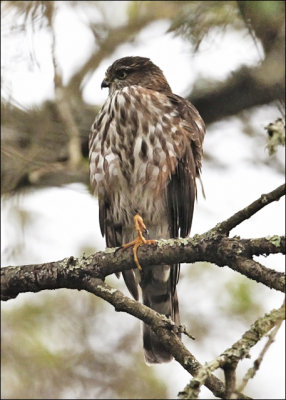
(113, 237)
(181, 190)
(112, 233)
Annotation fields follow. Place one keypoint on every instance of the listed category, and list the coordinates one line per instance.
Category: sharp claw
(140, 228)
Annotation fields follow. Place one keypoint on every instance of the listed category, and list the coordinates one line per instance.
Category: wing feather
(113, 237)
(182, 190)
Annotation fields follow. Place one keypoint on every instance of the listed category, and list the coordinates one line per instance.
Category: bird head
(129, 71)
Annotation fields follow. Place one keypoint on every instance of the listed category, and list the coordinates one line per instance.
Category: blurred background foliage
(50, 350)
(68, 344)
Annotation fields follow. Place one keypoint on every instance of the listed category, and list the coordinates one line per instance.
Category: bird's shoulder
(188, 112)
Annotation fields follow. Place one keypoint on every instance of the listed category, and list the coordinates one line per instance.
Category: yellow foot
(140, 227)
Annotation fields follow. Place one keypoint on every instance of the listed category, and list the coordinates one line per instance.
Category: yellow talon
(140, 227)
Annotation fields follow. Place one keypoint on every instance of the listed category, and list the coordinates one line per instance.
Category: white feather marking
(98, 177)
(199, 124)
(137, 147)
(110, 157)
(155, 172)
(121, 100)
(92, 158)
(171, 151)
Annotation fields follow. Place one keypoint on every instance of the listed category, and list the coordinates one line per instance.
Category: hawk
(145, 151)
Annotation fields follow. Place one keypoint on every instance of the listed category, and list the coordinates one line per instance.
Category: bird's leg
(140, 227)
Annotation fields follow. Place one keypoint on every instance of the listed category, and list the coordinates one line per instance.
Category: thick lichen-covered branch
(218, 249)
(213, 246)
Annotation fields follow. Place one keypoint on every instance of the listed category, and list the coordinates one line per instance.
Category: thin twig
(229, 370)
(64, 108)
(230, 357)
(252, 371)
(226, 226)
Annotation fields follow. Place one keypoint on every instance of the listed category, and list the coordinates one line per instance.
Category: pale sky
(29, 83)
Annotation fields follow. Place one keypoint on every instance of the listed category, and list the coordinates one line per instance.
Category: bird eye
(121, 74)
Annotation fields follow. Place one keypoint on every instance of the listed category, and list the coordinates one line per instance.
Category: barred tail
(158, 294)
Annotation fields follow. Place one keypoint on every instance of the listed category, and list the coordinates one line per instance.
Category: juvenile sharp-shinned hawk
(145, 154)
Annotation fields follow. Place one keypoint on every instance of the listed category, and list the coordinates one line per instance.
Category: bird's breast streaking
(131, 153)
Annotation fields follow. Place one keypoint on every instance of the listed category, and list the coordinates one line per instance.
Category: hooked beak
(104, 83)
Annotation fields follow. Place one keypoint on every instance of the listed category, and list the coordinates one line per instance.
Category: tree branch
(252, 371)
(247, 212)
(241, 91)
(265, 246)
(162, 326)
(229, 370)
(62, 102)
(88, 273)
(229, 359)
(69, 272)
(212, 246)
(256, 271)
